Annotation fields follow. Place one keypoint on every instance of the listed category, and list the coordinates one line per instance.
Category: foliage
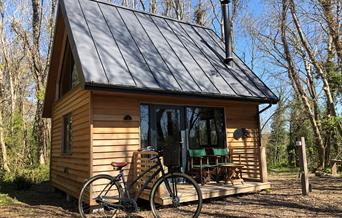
(6, 200)
(23, 179)
(22, 149)
(277, 141)
(283, 169)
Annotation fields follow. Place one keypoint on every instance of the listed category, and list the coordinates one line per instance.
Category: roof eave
(113, 88)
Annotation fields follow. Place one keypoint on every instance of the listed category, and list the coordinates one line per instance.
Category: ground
(283, 200)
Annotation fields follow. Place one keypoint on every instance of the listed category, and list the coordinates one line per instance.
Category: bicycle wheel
(98, 196)
(183, 197)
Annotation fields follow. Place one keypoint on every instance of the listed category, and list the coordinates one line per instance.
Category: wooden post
(263, 164)
(304, 175)
(334, 163)
(333, 168)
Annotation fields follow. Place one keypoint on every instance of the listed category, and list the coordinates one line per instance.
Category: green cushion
(220, 151)
(197, 152)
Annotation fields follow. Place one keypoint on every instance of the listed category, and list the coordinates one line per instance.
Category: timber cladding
(68, 171)
(101, 135)
(115, 139)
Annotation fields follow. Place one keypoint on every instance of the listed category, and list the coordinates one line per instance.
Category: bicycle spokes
(180, 195)
(98, 199)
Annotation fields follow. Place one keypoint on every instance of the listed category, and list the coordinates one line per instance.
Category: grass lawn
(6, 200)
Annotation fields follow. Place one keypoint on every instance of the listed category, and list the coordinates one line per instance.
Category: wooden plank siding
(68, 171)
(244, 151)
(115, 139)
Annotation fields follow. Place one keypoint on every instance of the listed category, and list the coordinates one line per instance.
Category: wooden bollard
(304, 174)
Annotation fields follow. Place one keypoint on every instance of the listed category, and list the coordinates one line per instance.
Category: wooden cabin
(121, 80)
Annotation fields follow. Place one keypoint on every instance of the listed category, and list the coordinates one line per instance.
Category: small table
(232, 172)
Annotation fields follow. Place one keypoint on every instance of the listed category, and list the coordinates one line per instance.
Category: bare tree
(39, 66)
(332, 15)
(200, 14)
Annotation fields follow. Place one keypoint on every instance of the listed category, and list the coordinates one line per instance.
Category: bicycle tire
(96, 181)
(185, 181)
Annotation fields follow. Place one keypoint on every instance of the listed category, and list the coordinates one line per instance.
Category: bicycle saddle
(119, 164)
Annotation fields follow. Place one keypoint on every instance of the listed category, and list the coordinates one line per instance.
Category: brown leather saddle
(119, 165)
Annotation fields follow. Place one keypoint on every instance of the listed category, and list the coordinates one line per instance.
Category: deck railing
(142, 162)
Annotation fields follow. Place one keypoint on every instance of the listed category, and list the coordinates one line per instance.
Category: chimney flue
(227, 31)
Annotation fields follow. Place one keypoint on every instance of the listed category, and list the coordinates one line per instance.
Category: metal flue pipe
(227, 31)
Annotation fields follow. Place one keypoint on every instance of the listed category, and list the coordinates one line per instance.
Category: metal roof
(120, 48)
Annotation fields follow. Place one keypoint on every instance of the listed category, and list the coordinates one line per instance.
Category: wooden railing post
(304, 174)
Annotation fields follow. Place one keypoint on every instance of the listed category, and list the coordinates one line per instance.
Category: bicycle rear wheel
(98, 196)
(180, 193)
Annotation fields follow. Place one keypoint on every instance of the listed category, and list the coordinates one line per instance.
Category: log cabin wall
(68, 171)
(115, 139)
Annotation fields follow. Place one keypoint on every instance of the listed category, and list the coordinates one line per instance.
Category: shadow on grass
(39, 194)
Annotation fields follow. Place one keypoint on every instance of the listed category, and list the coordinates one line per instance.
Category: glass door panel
(168, 127)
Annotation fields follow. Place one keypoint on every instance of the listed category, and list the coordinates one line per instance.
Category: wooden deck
(214, 190)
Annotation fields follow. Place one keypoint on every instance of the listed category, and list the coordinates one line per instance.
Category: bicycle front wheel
(176, 195)
(99, 197)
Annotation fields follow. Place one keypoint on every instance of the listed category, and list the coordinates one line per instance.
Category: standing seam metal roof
(123, 48)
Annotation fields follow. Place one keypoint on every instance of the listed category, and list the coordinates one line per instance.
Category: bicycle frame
(127, 188)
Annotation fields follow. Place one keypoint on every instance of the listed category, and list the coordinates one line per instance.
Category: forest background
(294, 46)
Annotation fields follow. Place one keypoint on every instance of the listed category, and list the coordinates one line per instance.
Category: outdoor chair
(221, 158)
(199, 162)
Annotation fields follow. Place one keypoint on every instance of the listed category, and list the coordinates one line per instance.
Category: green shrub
(327, 170)
(23, 179)
(6, 200)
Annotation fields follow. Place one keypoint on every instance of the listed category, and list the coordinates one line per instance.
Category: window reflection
(161, 126)
(205, 126)
(144, 126)
(168, 126)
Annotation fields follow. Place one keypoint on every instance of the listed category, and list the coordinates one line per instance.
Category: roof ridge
(147, 13)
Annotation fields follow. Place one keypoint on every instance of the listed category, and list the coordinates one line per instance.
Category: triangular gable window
(69, 74)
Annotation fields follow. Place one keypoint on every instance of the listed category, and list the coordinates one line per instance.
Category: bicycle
(104, 195)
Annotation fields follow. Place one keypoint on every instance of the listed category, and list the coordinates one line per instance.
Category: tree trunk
(2, 141)
(326, 86)
(40, 125)
(298, 87)
(333, 25)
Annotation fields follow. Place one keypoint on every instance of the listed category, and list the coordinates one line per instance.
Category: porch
(210, 190)
(213, 190)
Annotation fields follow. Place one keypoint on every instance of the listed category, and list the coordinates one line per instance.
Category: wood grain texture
(68, 171)
(115, 139)
(244, 151)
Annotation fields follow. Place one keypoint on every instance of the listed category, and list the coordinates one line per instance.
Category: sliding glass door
(175, 129)
(163, 127)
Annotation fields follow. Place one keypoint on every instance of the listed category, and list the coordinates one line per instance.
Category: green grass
(6, 200)
(284, 170)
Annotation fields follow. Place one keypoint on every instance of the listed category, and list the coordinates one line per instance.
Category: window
(69, 74)
(144, 125)
(67, 133)
(162, 125)
(205, 127)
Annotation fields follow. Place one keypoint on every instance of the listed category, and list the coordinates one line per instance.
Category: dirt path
(284, 200)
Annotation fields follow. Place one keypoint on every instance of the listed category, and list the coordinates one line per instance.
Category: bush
(6, 200)
(23, 179)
